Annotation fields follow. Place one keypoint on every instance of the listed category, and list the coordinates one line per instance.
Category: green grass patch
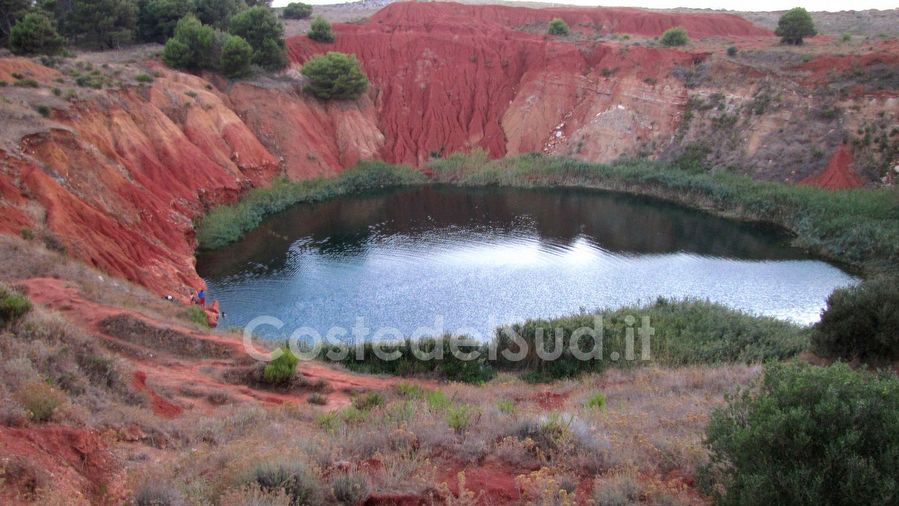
(196, 315)
(13, 305)
(226, 224)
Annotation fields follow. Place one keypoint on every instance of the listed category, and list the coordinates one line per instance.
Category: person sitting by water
(201, 297)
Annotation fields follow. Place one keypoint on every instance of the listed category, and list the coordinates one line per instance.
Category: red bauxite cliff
(117, 175)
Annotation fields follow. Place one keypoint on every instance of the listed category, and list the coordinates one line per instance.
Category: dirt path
(180, 368)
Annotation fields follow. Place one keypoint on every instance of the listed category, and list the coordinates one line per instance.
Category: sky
(754, 5)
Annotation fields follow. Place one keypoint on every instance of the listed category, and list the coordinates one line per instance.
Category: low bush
(558, 27)
(144, 78)
(317, 399)
(686, 332)
(281, 370)
(459, 417)
(368, 401)
(335, 75)
(13, 305)
(297, 10)
(350, 488)
(301, 485)
(154, 493)
(596, 401)
(196, 315)
(35, 33)
(732, 51)
(320, 30)
(237, 55)
(807, 435)
(861, 322)
(674, 37)
(40, 400)
(26, 83)
(411, 359)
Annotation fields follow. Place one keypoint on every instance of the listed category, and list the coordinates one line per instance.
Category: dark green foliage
(795, 25)
(217, 13)
(410, 359)
(807, 436)
(282, 369)
(13, 306)
(558, 27)
(297, 10)
(43, 110)
(732, 51)
(35, 33)
(264, 32)
(320, 30)
(157, 19)
(193, 46)
(687, 332)
(144, 78)
(10, 12)
(674, 37)
(271, 56)
(861, 322)
(237, 55)
(226, 224)
(368, 401)
(102, 24)
(335, 76)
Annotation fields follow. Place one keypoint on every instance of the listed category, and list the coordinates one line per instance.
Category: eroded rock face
(118, 175)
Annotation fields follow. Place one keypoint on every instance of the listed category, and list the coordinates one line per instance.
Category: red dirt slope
(838, 174)
(449, 77)
(416, 16)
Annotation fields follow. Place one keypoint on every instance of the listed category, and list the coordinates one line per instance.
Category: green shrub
(596, 401)
(558, 27)
(686, 332)
(282, 369)
(335, 76)
(350, 488)
(459, 417)
(410, 390)
(732, 51)
(506, 406)
(297, 10)
(237, 55)
(674, 37)
(437, 400)
(368, 401)
(40, 400)
(35, 33)
(264, 32)
(193, 45)
(3, 84)
(320, 30)
(13, 306)
(197, 316)
(43, 110)
(807, 435)
(144, 78)
(301, 485)
(861, 322)
(846, 37)
(450, 367)
(795, 25)
(27, 83)
(27, 234)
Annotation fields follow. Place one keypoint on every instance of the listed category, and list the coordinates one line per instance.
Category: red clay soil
(74, 462)
(493, 481)
(451, 77)
(838, 174)
(162, 374)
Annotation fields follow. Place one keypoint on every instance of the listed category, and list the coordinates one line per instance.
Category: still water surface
(477, 258)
